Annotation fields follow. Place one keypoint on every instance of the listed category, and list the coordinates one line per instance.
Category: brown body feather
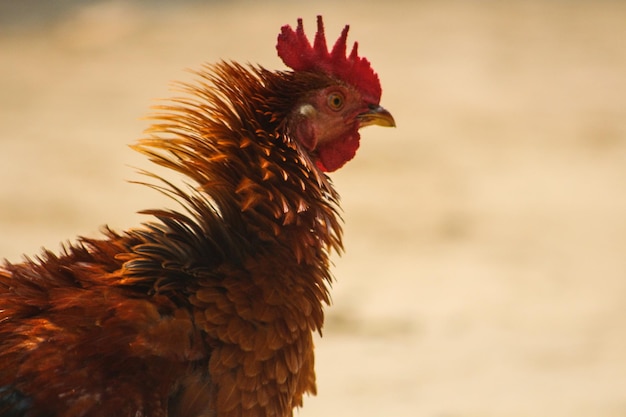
(206, 311)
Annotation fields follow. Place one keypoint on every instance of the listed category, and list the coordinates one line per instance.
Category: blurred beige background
(485, 272)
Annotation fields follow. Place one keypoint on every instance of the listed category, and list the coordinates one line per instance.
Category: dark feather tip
(13, 403)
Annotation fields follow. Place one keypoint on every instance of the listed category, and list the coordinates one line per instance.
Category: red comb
(297, 53)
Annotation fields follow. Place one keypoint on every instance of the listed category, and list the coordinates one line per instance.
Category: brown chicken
(209, 310)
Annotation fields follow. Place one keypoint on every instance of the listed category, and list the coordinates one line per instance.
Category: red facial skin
(326, 124)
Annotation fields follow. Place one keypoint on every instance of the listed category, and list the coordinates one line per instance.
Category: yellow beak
(376, 116)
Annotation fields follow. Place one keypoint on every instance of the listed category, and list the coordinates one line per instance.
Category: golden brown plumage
(209, 310)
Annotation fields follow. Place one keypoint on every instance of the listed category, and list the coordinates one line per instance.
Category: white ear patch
(307, 110)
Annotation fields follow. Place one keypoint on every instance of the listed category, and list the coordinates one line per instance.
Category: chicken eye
(335, 101)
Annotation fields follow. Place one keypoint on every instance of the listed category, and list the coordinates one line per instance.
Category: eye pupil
(335, 101)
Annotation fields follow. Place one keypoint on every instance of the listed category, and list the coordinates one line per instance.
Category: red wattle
(333, 155)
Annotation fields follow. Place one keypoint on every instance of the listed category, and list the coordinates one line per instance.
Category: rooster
(208, 310)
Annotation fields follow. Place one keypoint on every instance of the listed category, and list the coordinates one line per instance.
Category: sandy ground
(485, 272)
